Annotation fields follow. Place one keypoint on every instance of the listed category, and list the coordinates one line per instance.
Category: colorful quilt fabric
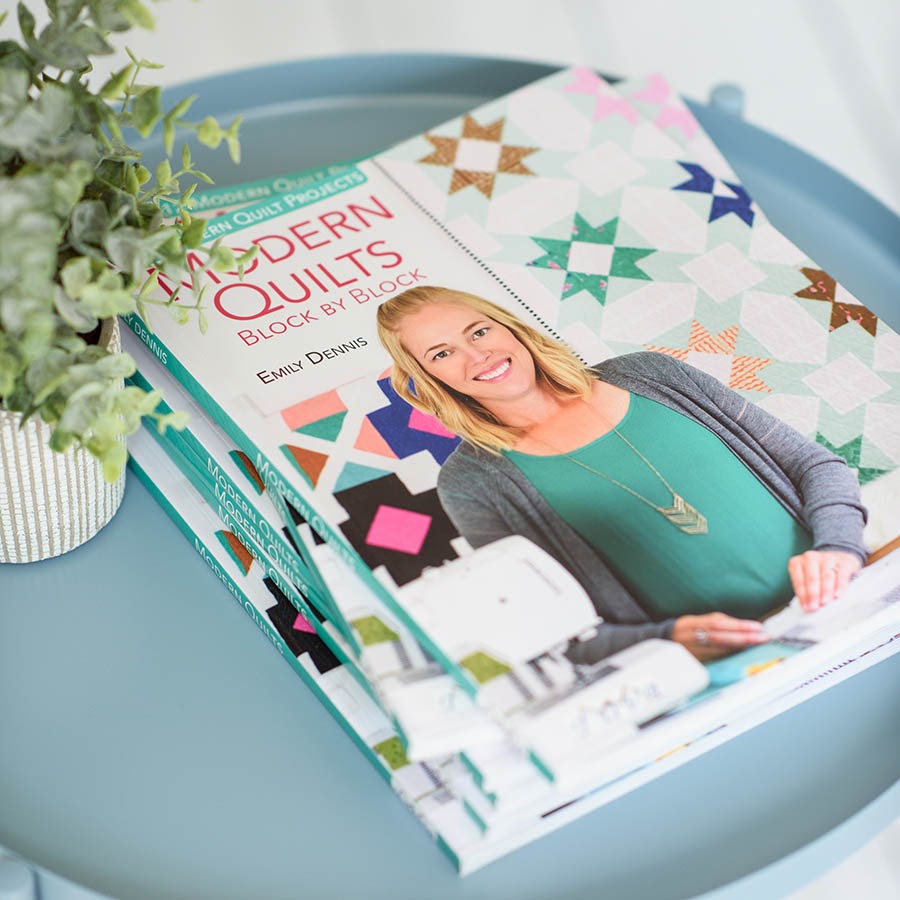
(611, 214)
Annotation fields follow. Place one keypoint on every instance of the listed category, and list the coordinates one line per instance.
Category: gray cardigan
(488, 497)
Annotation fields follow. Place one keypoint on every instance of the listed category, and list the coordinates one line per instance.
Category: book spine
(191, 469)
(275, 481)
(335, 615)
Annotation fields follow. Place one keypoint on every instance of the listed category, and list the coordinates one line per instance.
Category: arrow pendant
(684, 517)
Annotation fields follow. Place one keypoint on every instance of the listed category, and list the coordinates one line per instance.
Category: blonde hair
(556, 366)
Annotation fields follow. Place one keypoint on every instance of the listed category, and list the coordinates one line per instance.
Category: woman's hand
(820, 576)
(714, 635)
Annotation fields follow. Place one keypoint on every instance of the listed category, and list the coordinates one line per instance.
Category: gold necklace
(683, 515)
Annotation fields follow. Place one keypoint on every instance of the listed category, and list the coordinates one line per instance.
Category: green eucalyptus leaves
(81, 225)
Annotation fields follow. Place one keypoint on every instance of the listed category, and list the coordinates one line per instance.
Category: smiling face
(470, 353)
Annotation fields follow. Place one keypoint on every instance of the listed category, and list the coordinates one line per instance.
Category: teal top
(739, 566)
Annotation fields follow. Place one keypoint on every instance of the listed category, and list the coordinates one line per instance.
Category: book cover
(591, 230)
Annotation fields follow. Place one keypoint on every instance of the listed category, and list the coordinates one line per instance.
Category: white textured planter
(50, 502)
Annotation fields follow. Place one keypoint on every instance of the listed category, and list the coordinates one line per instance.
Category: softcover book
(557, 391)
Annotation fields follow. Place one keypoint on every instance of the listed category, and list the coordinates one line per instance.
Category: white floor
(822, 74)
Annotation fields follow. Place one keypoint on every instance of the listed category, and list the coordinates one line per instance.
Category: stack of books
(449, 621)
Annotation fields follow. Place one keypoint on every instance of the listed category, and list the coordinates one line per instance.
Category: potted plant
(81, 233)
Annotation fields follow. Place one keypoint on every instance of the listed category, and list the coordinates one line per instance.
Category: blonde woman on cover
(685, 511)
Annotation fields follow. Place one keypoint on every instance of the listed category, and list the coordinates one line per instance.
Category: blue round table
(153, 745)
